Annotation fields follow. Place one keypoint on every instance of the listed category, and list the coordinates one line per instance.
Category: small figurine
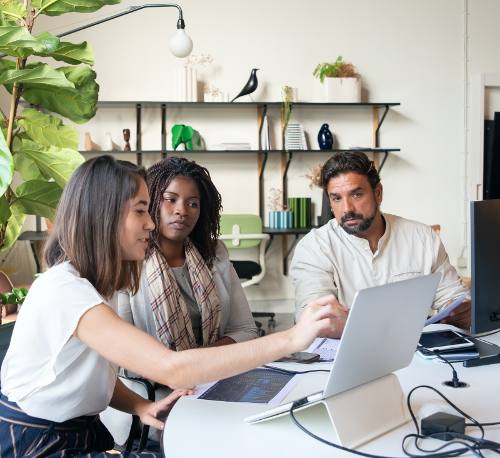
(186, 135)
(325, 138)
(110, 145)
(251, 85)
(126, 137)
(89, 144)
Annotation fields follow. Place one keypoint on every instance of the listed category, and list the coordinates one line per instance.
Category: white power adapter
(462, 262)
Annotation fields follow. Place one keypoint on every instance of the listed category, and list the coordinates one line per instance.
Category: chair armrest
(135, 419)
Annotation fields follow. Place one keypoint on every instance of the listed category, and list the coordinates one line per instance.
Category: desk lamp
(180, 44)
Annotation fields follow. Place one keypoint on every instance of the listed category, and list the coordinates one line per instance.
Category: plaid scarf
(173, 324)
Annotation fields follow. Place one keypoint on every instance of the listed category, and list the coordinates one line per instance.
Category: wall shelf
(261, 107)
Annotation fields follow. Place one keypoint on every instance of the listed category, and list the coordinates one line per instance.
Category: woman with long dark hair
(60, 370)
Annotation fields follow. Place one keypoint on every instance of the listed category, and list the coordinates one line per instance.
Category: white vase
(336, 90)
(185, 85)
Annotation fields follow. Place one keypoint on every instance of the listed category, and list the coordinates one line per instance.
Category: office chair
(125, 427)
(245, 231)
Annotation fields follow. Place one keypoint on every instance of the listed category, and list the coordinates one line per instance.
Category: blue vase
(325, 137)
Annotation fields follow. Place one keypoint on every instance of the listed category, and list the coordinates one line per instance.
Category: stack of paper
(230, 147)
(295, 137)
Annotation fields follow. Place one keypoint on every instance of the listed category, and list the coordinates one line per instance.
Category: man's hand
(460, 317)
(327, 316)
(154, 411)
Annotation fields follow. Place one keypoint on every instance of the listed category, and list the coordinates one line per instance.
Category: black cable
(475, 448)
(454, 379)
(286, 371)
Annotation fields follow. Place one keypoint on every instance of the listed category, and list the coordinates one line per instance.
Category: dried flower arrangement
(337, 69)
(313, 175)
(193, 61)
(276, 201)
(215, 91)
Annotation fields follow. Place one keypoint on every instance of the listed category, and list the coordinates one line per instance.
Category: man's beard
(361, 227)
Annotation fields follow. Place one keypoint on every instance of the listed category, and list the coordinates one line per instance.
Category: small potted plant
(280, 216)
(12, 300)
(336, 82)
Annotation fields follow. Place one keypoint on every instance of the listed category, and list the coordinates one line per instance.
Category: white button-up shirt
(328, 260)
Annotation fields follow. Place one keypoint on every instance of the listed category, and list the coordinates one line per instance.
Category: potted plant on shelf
(35, 144)
(336, 82)
(280, 216)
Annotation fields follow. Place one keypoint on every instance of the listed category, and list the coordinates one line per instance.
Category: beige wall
(406, 51)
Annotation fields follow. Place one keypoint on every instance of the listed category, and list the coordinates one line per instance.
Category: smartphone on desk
(444, 340)
(299, 357)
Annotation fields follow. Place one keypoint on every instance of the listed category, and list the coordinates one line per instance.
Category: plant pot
(336, 90)
(281, 220)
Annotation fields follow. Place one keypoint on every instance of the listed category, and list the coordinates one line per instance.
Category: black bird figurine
(251, 85)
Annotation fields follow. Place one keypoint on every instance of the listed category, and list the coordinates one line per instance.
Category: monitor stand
(488, 353)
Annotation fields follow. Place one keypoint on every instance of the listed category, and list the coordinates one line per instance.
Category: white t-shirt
(50, 373)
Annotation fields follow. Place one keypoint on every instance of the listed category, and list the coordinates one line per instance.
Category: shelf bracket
(285, 259)
(261, 184)
(386, 154)
(262, 161)
(268, 243)
(164, 130)
(285, 172)
(377, 142)
(138, 145)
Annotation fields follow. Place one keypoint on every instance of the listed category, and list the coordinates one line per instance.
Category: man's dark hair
(206, 231)
(347, 162)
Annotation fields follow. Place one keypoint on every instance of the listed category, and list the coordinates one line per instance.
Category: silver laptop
(380, 337)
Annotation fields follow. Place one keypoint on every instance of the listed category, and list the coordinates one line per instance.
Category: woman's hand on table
(153, 412)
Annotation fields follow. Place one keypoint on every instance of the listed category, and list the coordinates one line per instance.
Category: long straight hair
(89, 221)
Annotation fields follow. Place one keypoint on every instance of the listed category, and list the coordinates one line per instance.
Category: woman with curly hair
(189, 295)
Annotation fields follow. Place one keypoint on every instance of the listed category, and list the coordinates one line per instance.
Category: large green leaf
(13, 10)
(69, 91)
(70, 53)
(14, 226)
(6, 165)
(16, 41)
(78, 104)
(58, 163)
(50, 41)
(58, 7)
(27, 168)
(38, 198)
(43, 77)
(47, 130)
(4, 210)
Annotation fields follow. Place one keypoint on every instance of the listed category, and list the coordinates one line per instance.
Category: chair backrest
(241, 224)
(5, 335)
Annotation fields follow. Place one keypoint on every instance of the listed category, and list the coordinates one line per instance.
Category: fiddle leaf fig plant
(37, 144)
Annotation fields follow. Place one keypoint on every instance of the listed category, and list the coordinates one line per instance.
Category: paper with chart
(260, 386)
(445, 311)
(325, 348)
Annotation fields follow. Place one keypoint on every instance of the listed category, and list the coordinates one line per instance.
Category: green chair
(245, 231)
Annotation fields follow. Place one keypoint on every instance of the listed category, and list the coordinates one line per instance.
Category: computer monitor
(485, 265)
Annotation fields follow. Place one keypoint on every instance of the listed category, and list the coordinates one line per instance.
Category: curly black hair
(206, 231)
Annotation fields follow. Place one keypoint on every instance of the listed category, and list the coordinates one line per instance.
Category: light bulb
(180, 44)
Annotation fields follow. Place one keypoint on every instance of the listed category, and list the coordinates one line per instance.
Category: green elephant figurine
(187, 135)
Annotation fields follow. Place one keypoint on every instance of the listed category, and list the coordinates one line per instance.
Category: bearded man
(362, 247)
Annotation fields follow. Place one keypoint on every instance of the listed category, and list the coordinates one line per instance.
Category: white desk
(215, 429)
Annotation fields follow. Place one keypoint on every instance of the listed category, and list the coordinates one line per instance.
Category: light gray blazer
(236, 319)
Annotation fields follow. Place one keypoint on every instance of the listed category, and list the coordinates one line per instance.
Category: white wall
(408, 52)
